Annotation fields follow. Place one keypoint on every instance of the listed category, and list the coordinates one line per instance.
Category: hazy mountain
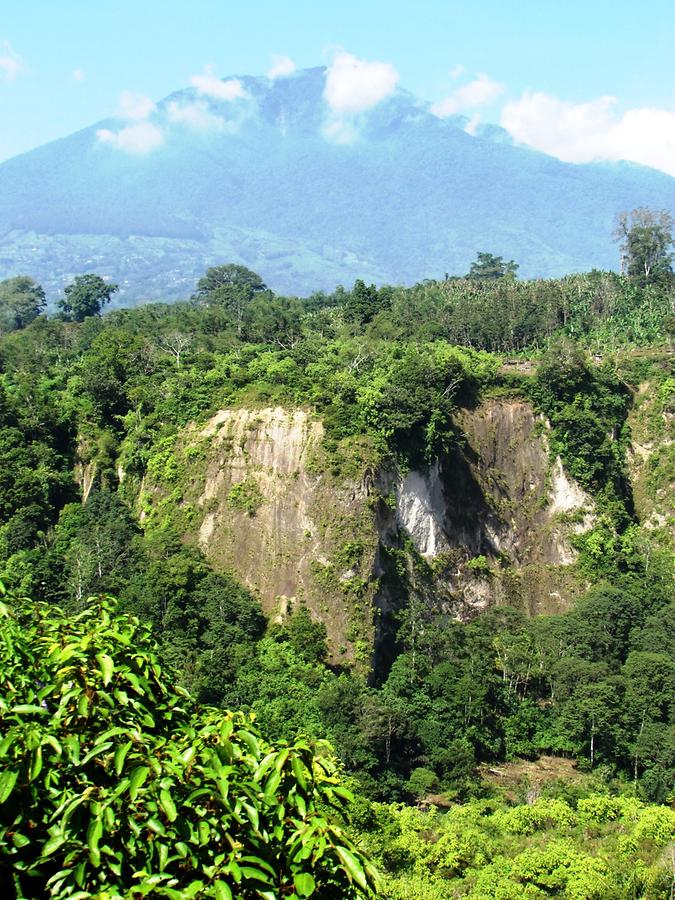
(258, 180)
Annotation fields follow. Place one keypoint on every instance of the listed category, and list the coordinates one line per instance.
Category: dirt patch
(528, 778)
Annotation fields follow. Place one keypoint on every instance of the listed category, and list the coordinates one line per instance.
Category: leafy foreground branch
(114, 783)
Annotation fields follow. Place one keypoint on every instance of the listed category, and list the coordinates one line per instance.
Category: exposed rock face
(651, 459)
(494, 517)
(498, 512)
(270, 543)
(269, 512)
(495, 494)
(420, 509)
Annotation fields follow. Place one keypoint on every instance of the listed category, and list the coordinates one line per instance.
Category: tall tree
(363, 303)
(646, 240)
(86, 296)
(487, 266)
(21, 300)
(230, 287)
(229, 275)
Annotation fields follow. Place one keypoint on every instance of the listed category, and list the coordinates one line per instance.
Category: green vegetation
(86, 296)
(646, 244)
(245, 495)
(587, 407)
(486, 265)
(114, 783)
(596, 847)
(21, 301)
(97, 483)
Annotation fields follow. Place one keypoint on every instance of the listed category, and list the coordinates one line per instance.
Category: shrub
(114, 783)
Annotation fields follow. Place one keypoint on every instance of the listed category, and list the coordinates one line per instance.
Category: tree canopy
(488, 266)
(21, 300)
(86, 296)
(227, 276)
(646, 238)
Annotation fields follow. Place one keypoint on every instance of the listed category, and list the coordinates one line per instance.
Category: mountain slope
(256, 180)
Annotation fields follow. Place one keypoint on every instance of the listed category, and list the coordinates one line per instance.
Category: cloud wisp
(210, 85)
(11, 64)
(479, 92)
(592, 131)
(137, 139)
(354, 86)
(133, 106)
(196, 115)
(282, 67)
(140, 136)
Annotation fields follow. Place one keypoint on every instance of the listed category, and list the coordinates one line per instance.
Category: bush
(114, 783)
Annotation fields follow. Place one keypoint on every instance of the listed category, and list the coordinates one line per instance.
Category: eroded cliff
(491, 520)
(496, 514)
(264, 505)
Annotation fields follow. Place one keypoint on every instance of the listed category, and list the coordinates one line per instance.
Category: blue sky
(545, 70)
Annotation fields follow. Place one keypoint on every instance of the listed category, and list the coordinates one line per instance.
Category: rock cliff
(491, 519)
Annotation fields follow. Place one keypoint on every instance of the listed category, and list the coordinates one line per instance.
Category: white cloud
(340, 130)
(11, 63)
(457, 71)
(471, 126)
(211, 86)
(137, 139)
(476, 93)
(583, 132)
(282, 66)
(355, 85)
(134, 106)
(78, 75)
(195, 115)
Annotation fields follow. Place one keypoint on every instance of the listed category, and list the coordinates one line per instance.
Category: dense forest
(92, 407)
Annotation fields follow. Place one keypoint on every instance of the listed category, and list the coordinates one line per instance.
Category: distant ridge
(255, 180)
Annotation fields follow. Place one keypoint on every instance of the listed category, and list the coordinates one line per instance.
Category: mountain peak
(265, 172)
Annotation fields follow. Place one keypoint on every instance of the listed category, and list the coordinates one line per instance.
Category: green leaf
(96, 751)
(36, 764)
(120, 756)
(222, 891)
(282, 759)
(299, 771)
(162, 855)
(94, 833)
(107, 666)
(53, 743)
(264, 765)
(72, 744)
(271, 786)
(253, 815)
(353, 867)
(256, 874)
(188, 754)
(138, 777)
(168, 806)
(304, 883)
(250, 741)
(24, 709)
(156, 826)
(52, 845)
(7, 782)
